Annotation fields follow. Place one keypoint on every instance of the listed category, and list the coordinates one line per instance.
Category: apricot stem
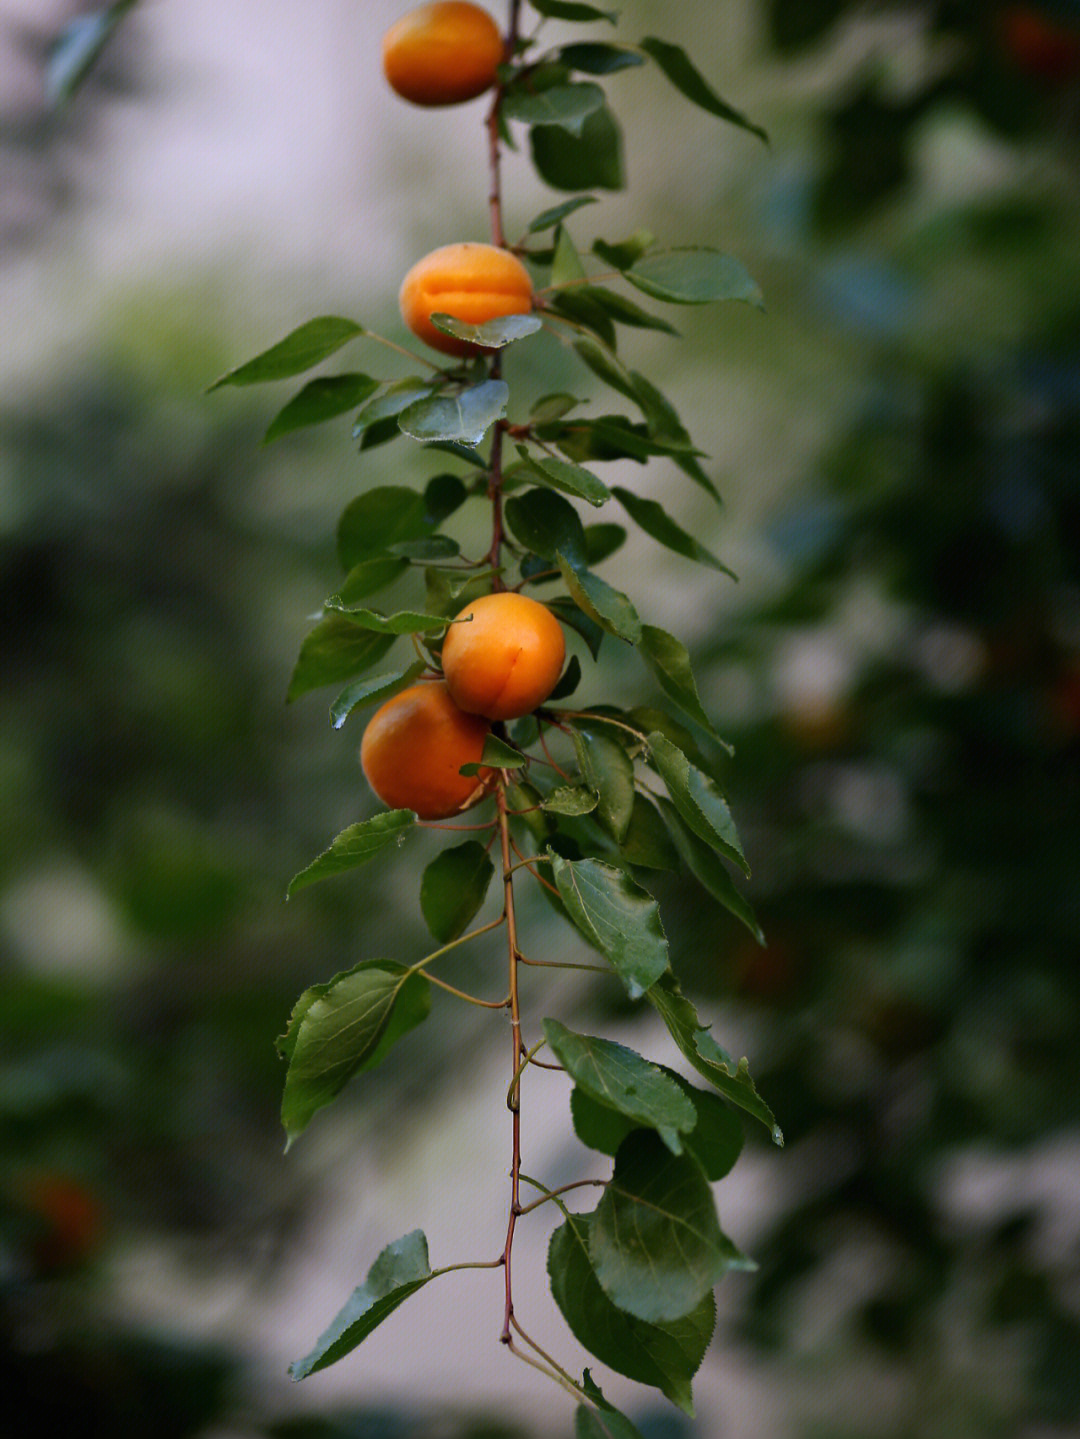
(563, 1189)
(454, 943)
(469, 998)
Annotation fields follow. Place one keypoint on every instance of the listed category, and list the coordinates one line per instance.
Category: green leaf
(584, 313)
(617, 917)
(624, 311)
(568, 680)
(589, 161)
(335, 1030)
(355, 846)
(693, 1039)
(698, 799)
(646, 842)
(443, 494)
(570, 800)
(663, 1356)
(496, 754)
(427, 547)
(404, 623)
(465, 417)
(300, 350)
(715, 1141)
(655, 521)
(616, 1076)
(605, 605)
(334, 651)
(552, 407)
(606, 368)
(655, 1243)
(694, 277)
(596, 58)
(562, 475)
(320, 400)
(76, 49)
(564, 105)
(454, 887)
(676, 65)
(570, 10)
(390, 403)
(368, 576)
(492, 334)
(545, 523)
(566, 263)
(377, 519)
(603, 1421)
(372, 691)
(707, 869)
(400, 1270)
(601, 541)
(624, 253)
(608, 769)
(669, 660)
(547, 218)
(568, 613)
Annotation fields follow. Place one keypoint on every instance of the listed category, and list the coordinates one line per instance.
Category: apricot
(470, 281)
(442, 54)
(414, 746)
(502, 656)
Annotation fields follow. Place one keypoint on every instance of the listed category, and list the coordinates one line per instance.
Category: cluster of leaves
(632, 791)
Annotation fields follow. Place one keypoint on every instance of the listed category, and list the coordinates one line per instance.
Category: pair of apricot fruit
(443, 54)
(502, 656)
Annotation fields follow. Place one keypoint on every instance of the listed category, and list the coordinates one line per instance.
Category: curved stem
(461, 939)
(469, 998)
(563, 1189)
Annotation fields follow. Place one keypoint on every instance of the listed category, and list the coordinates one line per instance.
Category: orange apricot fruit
(414, 746)
(502, 655)
(442, 54)
(470, 281)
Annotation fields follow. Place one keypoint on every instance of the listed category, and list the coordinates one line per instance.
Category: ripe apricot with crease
(472, 282)
(414, 747)
(502, 655)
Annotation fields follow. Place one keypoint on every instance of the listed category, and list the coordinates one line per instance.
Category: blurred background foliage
(899, 670)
